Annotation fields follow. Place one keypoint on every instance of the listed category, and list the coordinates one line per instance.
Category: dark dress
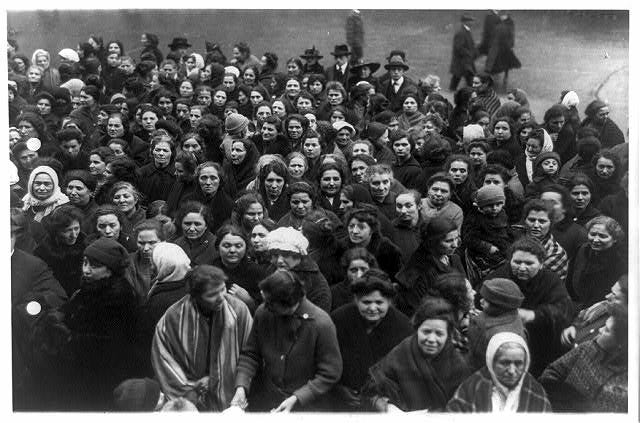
(500, 57)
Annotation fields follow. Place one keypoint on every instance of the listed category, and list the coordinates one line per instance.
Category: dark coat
(511, 146)
(500, 57)
(179, 191)
(406, 238)
(138, 149)
(565, 143)
(247, 275)
(609, 133)
(396, 99)
(491, 20)
(569, 235)
(587, 214)
(482, 327)
(64, 261)
(464, 53)
(617, 206)
(221, 205)
(278, 208)
(156, 183)
(480, 232)
(202, 251)
(409, 173)
(387, 253)
(280, 145)
(334, 74)
(315, 285)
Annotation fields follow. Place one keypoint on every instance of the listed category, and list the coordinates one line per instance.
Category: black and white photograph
(305, 210)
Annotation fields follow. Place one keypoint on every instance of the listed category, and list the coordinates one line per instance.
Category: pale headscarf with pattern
(42, 208)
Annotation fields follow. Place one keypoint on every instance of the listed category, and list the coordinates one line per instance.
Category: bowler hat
(373, 66)
(312, 53)
(341, 50)
(396, 62)
(467, 18)
(179, 42)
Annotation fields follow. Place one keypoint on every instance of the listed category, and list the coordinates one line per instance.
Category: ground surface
(584, 51)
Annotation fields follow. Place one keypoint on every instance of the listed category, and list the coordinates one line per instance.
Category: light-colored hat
(69, 54)
(343, 124)
(233, 70)
(472, 132)
(287, 239)
(571, 99)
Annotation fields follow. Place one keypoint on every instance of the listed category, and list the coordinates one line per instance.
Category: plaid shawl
(557, 259)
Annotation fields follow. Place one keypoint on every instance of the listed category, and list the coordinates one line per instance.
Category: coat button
(305, 316)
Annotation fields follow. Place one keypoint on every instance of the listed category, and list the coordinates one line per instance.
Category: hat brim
(311, 56)
(373, 67)
(187, 45)
(388, 66)
(341, 53)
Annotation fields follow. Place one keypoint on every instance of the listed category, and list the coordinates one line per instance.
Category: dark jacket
(587, 214)
(409, 173)
(609, 133)
(396, 99)
(200, 251)
(334, 74)
(569, 235)
(280, 145)
(156, 183)
(464, 53)
(179, 191)
(247, 275)
(138, 149)
(65, 261)
(482, 327)
(387, 253)
(481, 231)
(221, 205)
(500, 57)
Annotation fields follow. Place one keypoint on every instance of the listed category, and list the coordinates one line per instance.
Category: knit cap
(83, 176)
(137, 395)
(546, 155)
(108, 252)
(69, 54)
(502, 292)
(489, 194)
(235, 122)
(287, 239)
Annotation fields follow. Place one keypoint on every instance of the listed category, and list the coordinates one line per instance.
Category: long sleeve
(250, 357)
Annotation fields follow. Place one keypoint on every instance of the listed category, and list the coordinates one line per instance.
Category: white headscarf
(40, 52)
(571, 99)
(56, 199)
(509, 398)
(171, 262)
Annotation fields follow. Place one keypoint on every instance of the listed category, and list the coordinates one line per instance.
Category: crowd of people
(198, 232)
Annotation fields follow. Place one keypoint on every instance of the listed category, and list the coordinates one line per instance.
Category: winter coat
(315, 285)
(569, 235)
(200, 251)
(396, 98)
(609, 133)
(65, 261)
(408, 173)
(156, 183)
(179, 191)
(481, 231)
(221, 205)
(500, 57)
(464, 53)
(482, 327)
(617, 206)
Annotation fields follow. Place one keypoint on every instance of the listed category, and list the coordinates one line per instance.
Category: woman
(439, 239)
(546, 307)
(504, 384)
(460, 169)
(368, 327)
(302, 202)
(109, 222)
(156, 179)
(147, 234)
(50, 76)
(186, 90)
(597, 118)
(410, 117)
(63, 246)
(44, 102)
(336, 96)
(297, 166)
(273, 181)
(580, 187)
(233, 247)
(149, 116)
(239, 168)
(210, 192)
(355, 262)
(568, 233)
(599, 262)
(248, 211)
(316, 84)
(31, 125)
(42, 198)
(504, 137)
(291, 91)
(606, 176)
(424, 370)
(118, 127)
(407, 223)
(128, 199)
(259, 252)
(194, 235)
(438, 202)
(330, 179)
(184, 171)
(313, 357)
(36, 83)
(593, 377)
(79, 186)
(295, 127)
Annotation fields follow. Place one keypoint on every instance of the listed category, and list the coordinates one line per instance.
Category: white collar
(399, 82)
(466, 27)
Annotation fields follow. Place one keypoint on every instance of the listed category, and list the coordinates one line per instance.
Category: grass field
(584, 51)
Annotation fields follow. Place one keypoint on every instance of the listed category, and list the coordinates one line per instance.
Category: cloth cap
(235, 122)
(489, 194)
(69, 54)
(108, 252)
(502, 292)
(338, 125)
(287, 239)
(137, 395)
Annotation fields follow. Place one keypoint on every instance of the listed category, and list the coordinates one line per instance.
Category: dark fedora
(467, 18)
(341, 50)
(396, 62)
(361, 63)
(311, 53)
(179, 42)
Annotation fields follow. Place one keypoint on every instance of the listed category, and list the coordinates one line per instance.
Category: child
(485, 232)
(546, 171)
(500, 301)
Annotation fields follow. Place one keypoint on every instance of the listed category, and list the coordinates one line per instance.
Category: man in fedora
(340, 71)
(311, 65)
(178, 47)
(398, 85)
(464, 54)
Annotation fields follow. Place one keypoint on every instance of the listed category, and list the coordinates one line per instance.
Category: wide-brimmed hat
(179, 42)
(341, 50)
(311, 53)
(396, 62)
(467, 18)
(361, 63)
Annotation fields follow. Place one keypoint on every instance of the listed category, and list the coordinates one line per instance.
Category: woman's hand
(240, 292)
(568, 336)
(526, 315)
(286, 405)
(239, 399)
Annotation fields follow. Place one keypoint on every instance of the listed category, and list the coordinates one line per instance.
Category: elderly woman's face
(232, 249)
(149, 120)
(193, 225)
(432, 336)
(509, 364)
(229, 83)
(279, 109)
(296, 167)
(125, 200)
(373, 307)
(69, 235)
(96, 165)
(115, 128)
(186, 89)
(335, 97)
(147, 241)
(524, 265)
(292, 88)
(209, 180)
(450, 243)
(294, 128)
(300, 204)
(42, 186)
(34, 75)
(599, 238)
(605, 168)
(356, 269)
(410, 105)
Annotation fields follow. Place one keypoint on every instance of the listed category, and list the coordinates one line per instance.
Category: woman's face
(238, 153)
(193, 226)
(524, 265)
(599, 238)
(114, 48)
(258, 238)
(22, 67)
(356, 269)
(373, 307)
(581, 196)
(204, 98)
(69, 235)
(459, 172)
(439, 193)
(26, 159)
(115, 129)
(190, 63)
(605, 168)
(343, 137)
(524, 134)
(509, 364)
(220, 98)
(94, 272)
(279, 109)
(330, 183)
(359, 232)
(42, 61)
(96, 165)
(537, 223)
(292, 88)
(432, 336)
(147, 241)
(294, 128)
(316, 87)
(262, 114)
(361, 148)
(450, 243)
(285, 260)
(502, 131)
(232, 249)
(273, 185)
(410, 105)
(296, 168)
(253, 215)
(478, 156)
(533, 146)
(256, 98)
(44, 106)
(209, 180)
(249, 76)
(78, 193)
(293, 69)
(205, 73)
(86, 99)
(345, 203)
(162, 153)
(524, 118)
(358, 171)
(14, 137)
(312, 148)
(42, 187)
(194, 116)
(182, 111)
(303, 105)
(229, 83)
(300, 204)
(165, 104)
(336, 116)
(125, 200)
(149, 120)
(335, 97)
(192, 146)
(108, 226)
(27, 130)
(186, 89)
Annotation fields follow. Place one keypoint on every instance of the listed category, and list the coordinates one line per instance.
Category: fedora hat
(179, 42)
(373, 66)
(311, 53)
(467, 18)
(341, 50)
(396, 62)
